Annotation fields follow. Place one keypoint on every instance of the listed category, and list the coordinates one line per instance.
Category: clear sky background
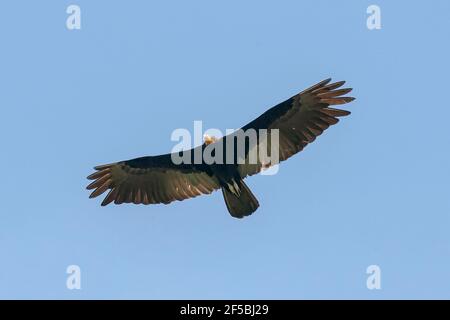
(372, 190)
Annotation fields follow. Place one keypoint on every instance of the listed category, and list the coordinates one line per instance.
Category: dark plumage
(156, 179)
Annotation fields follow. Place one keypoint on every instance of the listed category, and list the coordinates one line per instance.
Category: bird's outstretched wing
(149, 180)
(299, 120)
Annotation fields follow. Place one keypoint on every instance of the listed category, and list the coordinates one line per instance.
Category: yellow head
(209, 139)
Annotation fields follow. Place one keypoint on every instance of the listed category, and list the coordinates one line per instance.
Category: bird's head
(209, 139)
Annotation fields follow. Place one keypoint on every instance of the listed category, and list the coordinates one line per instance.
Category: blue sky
(373, 190)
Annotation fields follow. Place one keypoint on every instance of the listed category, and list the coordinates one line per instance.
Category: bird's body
(157, 179)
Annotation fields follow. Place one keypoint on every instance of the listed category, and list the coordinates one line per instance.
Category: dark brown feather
(99, 174)
(99, 181)
(101, 189)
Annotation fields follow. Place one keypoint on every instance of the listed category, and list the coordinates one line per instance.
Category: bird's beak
(208, 139)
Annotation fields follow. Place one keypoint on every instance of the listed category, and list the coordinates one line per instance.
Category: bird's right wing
(149, 180)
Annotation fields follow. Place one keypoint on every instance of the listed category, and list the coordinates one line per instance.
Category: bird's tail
(240, 200)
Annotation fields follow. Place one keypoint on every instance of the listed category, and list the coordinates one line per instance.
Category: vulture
(158, 179)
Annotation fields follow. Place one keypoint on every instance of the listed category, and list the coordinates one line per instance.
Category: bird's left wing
(149, 180)
(299, 120)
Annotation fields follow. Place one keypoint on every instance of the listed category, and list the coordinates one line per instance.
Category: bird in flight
(157, 179)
